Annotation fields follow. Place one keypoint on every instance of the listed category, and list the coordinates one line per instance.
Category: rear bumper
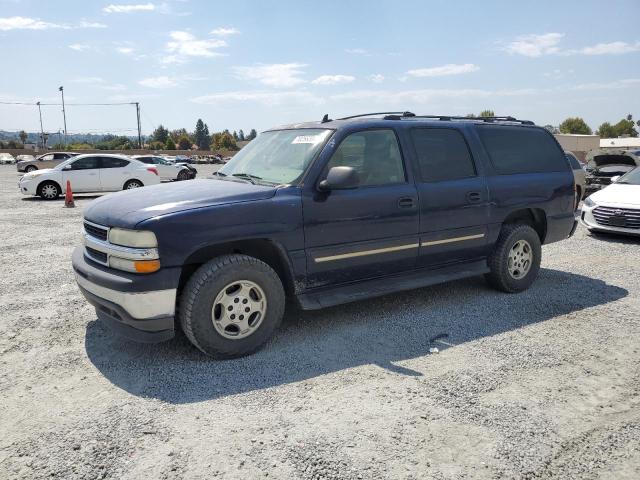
(125, 302)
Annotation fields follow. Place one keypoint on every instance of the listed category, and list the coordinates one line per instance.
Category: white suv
(89, 173)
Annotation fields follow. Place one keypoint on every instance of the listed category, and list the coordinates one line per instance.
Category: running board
(330, 296)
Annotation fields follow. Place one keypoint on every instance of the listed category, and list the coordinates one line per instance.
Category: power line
(67, 104)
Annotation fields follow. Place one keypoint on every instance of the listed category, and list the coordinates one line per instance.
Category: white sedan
(89, 173)
(7, 159)
(615, 208)
(167, 170)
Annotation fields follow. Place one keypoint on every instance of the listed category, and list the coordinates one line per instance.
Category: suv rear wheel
(231, 306)
(515, 261)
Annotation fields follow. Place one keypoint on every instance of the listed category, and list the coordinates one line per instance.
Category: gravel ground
(544, 384)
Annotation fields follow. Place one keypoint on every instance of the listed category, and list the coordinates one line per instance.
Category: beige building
(579, 145)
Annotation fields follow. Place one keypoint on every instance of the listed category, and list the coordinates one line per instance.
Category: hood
(130, 207)
(599, 161)
(37, 173)
(618, 194)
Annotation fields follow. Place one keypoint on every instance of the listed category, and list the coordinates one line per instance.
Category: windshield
(277, 157)
(631, 178)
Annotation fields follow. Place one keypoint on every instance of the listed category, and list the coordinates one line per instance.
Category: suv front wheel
(231, 306)
(515, 261)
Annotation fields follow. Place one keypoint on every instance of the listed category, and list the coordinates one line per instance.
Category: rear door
(84, 174)
(114, 173)
(453, 196)
(365, 232)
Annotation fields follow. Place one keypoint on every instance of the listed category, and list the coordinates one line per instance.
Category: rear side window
(148, 160)
(110, 162)
(515, 150)
(573, 161)
(442, 154)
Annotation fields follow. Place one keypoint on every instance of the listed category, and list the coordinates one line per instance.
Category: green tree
(184, 143)
(179, 132)
(575, 125)
(170, 145)
(252, 134)
(606, 130)
(201, 135)
(23, 136)
(156, 145)
(161, 134)
(235, 136)
(241, 135)
(626, 127)
(552, 129)
(487, 113)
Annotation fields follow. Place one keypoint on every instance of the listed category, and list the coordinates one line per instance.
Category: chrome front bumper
(588, 220)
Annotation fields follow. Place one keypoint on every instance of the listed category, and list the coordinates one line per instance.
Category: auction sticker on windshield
(308, 139)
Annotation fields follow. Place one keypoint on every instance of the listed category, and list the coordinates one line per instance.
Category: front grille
(95, 231)
(617, 217)
(96, 255)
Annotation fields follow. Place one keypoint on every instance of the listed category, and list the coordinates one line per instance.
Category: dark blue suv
(325, 213)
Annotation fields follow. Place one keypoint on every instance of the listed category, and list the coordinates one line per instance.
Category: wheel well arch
(124, 185)
(48, 180)
(535, 217)
(268, 251)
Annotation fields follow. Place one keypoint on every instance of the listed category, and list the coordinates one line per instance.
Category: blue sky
(255, 64)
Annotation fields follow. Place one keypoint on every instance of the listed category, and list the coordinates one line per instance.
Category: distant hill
(34, 137)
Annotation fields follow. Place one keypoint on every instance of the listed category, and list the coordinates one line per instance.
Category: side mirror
(339, 178)
(615, 179)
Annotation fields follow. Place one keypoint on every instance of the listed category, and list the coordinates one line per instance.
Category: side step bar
(330, 296)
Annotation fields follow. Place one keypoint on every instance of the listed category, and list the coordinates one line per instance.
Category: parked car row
(7, 159)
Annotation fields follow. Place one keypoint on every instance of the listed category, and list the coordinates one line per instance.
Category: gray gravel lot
(544, 384)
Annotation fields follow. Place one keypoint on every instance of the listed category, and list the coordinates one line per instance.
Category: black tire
(131, 184)
(197, 302)
(30, 168)
(49, 190)
(183, 175)
(500, 277)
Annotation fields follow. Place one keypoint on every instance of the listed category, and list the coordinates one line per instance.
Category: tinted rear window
(442, 154)
(515, 150)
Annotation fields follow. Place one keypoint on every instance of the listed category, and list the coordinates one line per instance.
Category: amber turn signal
(147, 266)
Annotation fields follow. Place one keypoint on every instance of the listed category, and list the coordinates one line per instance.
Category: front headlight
(133, 238)
(589, 203)
(134, 266)
(30, 175)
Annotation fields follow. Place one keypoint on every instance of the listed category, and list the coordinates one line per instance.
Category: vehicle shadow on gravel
(309, 344)
(615, 238)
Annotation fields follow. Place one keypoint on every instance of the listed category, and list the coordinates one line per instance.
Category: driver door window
(375, 156)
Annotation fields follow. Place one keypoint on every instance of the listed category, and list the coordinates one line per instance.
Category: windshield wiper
(247, 176)
(220, 174)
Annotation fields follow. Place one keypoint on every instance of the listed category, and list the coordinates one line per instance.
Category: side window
(110, 162)
(147, 160)
(442, 154)
(86, 163)
(60, 156)
(514, 150)
(47, 158)
(374, 154)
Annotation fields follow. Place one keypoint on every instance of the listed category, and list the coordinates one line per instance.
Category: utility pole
(139, 132)
(44, 143)
(64, 116)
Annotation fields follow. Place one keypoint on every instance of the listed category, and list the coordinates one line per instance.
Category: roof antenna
(326, 118)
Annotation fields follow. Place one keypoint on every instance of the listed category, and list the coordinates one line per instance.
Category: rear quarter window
(514, 150)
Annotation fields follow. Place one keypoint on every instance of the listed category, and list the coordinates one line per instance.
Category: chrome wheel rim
(49, 191)
(133, 185)
(520, 259)
(239, 309)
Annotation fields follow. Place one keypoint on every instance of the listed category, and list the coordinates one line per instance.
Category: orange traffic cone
(68, 196)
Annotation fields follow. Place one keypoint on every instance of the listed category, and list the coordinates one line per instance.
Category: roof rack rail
(403, 114)
(445, 118)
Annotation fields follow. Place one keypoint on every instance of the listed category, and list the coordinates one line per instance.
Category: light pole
(44, 143)
(64, 116)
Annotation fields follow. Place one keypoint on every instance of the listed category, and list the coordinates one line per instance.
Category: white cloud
(358, 51)
(79, 47)
(26, 23)
(613, 48)
(86, 24)
(185, 44)
(333, 79)
(224, 31)
(158, 82)
(281, 75)
(268, 99)
(376, 78)
(118, 8)
(535, 45)
(125, 50)
(444, 70)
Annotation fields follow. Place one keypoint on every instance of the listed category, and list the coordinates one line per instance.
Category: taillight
(153, 170)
